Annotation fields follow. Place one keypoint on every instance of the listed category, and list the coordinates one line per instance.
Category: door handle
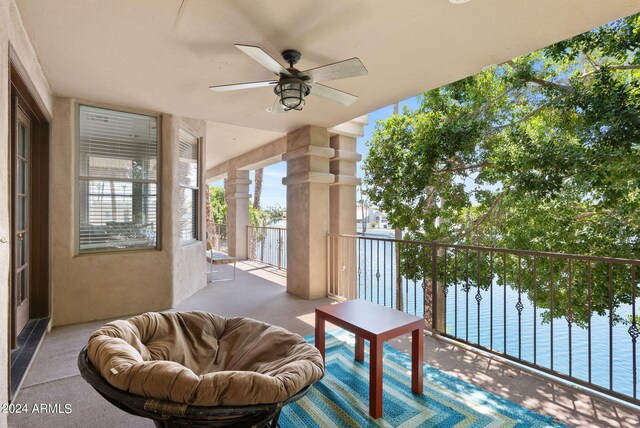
(21, 235)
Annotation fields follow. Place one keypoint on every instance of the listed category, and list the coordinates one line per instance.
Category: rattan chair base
(166, 414)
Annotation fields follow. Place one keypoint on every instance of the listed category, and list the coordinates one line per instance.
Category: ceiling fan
(293, 85)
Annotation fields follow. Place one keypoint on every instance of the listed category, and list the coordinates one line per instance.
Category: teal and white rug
(341, 398)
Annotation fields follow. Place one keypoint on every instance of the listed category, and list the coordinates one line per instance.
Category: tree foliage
(539, 153)
(218, 205)
(274, 213)
(257, 216)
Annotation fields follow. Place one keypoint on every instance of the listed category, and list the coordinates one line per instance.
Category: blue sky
(273, 192)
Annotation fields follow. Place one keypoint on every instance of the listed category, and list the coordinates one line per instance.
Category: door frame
(22, 309)
(23, 91)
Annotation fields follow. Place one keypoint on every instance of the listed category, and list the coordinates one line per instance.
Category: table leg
(375, 377)
(417, 356)
(359, 348)
(320, 334)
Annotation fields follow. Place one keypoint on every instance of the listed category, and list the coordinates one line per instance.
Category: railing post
(279, 248)
(399, 295)
(248, 238)
(434, 286)
(330, 290)
(264, 233)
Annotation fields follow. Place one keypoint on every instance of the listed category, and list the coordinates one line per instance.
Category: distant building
(372, 217)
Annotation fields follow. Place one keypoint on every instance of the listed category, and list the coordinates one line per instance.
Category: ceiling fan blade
(264, 59)
(238, 86)
(338, 70)
(333, 94)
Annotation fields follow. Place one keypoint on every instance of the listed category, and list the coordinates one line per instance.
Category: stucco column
(342, 216)
(307, 182)
(236, 195)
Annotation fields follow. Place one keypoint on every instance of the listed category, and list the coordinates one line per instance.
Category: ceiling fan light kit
(293, 86)
(291, 93)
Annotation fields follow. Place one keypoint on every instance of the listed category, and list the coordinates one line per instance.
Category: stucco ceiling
(162, 55)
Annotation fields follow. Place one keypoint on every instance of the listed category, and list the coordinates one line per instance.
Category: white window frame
(197, 189)
(79, 178)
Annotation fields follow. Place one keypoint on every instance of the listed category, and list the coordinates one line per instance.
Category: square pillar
(307, 182)
(342, 216)
(236, 195)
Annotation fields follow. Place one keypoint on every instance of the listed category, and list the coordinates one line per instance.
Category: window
(117, 180)
(188, 174)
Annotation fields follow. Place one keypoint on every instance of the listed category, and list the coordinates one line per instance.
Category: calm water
(376, 276)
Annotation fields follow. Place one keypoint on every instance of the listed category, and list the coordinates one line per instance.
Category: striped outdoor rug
(341, 398)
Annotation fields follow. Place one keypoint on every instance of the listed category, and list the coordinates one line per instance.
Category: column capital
(346, 155)
(307, 136)
(308, 177)
(237, 182)
(237, 195)
(321, 152)
(346, 180)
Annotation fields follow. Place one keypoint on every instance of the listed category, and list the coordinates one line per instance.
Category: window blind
(117, 180)
(188, 168)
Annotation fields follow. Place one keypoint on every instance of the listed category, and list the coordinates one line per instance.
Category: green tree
(257, 217)
(274, 213)
(539, 153)
(218, 205)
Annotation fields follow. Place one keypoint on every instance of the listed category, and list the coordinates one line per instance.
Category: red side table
(376, 324)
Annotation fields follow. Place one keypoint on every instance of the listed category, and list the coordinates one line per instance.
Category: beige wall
(104, 285)
(12, 34)
(96, 286)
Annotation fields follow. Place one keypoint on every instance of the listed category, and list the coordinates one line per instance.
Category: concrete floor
(259, 292)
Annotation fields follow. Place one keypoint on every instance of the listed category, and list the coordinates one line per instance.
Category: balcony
(53, 376)
(162, 68)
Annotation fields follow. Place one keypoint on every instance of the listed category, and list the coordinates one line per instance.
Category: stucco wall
(189, 269)
(12, 33)
(102, 285)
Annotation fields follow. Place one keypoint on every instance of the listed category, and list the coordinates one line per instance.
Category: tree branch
(480, 220)
(613, 67)
(547, 84)
(532, 112)
(593, 63)
(464, 167)
(486, 105)
(548, 103)
(541, 82)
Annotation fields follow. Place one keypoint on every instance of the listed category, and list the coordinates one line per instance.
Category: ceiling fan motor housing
(291, 56)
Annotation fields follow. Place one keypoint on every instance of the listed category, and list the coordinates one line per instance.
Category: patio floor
(258, 292)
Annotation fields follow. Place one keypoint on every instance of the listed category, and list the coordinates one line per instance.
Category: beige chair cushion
(204, 359)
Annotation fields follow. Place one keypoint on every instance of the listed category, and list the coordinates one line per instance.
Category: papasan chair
(199, 369)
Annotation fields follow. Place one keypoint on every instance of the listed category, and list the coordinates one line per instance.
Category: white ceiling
(162, 55)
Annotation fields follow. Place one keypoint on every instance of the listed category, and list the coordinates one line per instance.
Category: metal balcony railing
(572, 316)
(268, 245)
